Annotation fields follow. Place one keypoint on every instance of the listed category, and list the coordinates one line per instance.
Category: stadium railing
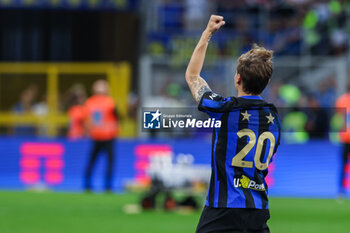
(117, 74)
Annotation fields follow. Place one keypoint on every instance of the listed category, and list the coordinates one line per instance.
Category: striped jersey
(242, 149)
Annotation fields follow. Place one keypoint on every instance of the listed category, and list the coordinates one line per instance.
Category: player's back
(242, 149)
(101, 117)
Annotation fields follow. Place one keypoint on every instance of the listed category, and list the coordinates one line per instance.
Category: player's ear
(238, 78)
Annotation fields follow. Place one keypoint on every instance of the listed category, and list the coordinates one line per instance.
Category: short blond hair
(255, 68)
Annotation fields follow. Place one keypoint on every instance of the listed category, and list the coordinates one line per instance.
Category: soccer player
(243, 146)
(102, 122)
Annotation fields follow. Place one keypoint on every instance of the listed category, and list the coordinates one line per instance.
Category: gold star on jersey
(245, 115)
(270, 119)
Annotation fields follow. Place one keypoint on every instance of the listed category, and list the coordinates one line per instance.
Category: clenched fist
(215, 23)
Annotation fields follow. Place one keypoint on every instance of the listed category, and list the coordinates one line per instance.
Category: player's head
(254, 70)
(100, 87)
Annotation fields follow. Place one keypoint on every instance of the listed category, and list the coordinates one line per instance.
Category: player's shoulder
(212, 101)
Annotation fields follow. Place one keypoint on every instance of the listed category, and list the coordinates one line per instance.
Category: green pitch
(24, 212)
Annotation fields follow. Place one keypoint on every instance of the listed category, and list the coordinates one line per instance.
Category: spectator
(40, 109)
(25, 106)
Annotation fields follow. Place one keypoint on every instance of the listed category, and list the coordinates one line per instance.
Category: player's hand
(215, 23)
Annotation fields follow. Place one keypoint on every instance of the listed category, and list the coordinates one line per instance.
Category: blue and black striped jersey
(242, 149)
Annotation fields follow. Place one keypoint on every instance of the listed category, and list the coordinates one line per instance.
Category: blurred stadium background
(51, 52)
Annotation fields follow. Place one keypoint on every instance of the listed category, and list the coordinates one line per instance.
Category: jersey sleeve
(214, 103)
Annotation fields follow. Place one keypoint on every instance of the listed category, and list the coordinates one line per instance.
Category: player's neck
(241, 93)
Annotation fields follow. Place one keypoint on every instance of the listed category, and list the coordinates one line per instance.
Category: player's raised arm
(198, 85)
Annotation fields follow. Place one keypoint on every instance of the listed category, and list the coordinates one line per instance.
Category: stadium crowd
(288, 27)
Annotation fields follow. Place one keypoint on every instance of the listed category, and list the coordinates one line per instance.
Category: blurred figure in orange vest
(102, 123)
(344, 102)
(76, 112)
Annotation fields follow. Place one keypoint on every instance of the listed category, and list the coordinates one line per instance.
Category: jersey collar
(251, 97)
